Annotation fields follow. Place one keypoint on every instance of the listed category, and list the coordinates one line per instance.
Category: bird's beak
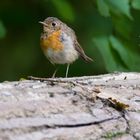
(43, 23)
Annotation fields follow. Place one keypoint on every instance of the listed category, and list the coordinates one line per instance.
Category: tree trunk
(84, 108)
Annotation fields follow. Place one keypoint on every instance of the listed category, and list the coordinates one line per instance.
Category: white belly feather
(67, 55)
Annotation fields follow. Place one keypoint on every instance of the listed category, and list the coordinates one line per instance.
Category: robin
(59, 43)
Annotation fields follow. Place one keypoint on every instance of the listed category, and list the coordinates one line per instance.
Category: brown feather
(82, 53)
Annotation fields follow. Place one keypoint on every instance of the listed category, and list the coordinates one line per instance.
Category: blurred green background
(108, 31)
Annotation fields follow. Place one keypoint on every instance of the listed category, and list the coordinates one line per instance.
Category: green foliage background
(108, 30)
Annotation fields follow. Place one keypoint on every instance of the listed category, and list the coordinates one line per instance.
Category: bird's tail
(86, 58)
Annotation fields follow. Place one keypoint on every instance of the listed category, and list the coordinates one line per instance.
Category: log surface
(71, 108)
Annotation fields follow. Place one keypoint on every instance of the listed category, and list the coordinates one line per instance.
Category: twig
(90, 91)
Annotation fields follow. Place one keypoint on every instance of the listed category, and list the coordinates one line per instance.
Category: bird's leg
(67, 70)
(53, 76)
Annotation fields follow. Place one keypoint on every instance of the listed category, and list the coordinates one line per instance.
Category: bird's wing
(77, 46)
(81, 52)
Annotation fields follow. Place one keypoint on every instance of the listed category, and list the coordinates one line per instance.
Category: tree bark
(79, 108)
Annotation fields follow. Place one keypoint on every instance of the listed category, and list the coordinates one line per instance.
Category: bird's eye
(53, 24)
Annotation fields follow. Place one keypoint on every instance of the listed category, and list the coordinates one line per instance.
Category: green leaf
(120, 7)
(136, 4)
(136, 62)
(102, 44)
(2, 30)
(103, 8)
(123, 26)
(65, 9)
(122, 50)
(129, 57)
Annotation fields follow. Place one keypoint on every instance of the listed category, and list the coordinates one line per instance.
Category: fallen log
(79, 108)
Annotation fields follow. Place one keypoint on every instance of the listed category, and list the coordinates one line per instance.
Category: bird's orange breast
(52, 41)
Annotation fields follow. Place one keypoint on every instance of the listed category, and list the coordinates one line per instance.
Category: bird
(59, 43)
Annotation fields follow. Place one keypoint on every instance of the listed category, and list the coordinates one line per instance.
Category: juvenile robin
(59, 43)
